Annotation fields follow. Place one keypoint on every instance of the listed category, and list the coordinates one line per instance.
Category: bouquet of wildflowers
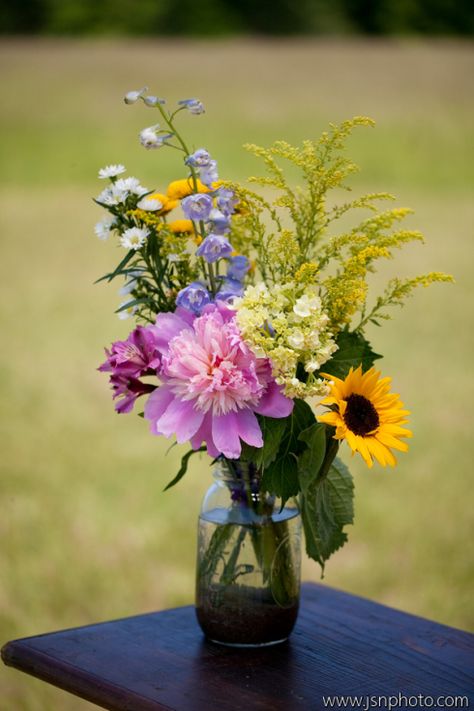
(251, 309)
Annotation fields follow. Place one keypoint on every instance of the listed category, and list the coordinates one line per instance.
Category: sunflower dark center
(360, 416)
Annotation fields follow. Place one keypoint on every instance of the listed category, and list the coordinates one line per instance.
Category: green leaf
(118, 269)
(184, 467)
(327, 506)
(273, 430)
(133, 302)
(354, 350)
(281, 477)
(310, 461)
(110, 275)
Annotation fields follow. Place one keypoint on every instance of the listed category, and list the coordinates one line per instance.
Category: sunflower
(367, 415)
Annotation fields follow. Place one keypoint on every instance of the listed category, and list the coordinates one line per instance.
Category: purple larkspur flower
(226, 201)
(214, 247)
(230, 288)
(198, 159)
(194, 106)
(193, 297)
(220, 223)
(197, 206)
(209, 173)
(238, 267)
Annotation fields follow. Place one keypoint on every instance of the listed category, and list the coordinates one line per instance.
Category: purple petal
(156, 405)
(180, 419)
(226, 436)
(273, 403)
(249, 429)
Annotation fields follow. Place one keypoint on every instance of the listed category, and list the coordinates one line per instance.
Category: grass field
(86, 533)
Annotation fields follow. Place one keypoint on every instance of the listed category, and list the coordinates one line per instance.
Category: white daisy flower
(149, 203)
(126, 313)
(131, 185)
(103, 228)
(134, 238)
(111, 171)
(112, 195)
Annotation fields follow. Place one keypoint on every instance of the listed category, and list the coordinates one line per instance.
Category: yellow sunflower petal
(390, 441)
(383, 454)
(330, 418)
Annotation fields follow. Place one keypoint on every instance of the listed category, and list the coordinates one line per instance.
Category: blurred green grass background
(86, 532)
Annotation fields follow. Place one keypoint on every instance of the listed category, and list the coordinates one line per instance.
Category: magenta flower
(128, 360)
(128, 389)
(213, 384)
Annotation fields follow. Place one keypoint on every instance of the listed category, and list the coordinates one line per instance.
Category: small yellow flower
(367, 415)
(179, 189)
(181, 226)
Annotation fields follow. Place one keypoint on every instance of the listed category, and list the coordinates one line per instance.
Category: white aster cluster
(287, 325)
(119, 190)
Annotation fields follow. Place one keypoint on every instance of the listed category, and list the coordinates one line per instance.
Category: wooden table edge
(74, 680)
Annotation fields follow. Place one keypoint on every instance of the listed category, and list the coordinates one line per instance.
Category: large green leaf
(273, 430)
(327, 506)
(281, 477)
(311, 459)
(281, 474)
(354, 350)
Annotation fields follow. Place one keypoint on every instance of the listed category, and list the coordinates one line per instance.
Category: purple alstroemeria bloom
(226, 201)
(209, 174)
(194, 106)
(230, 288)
(136, 356)
(127, 361)
(198, 159)
(214, 247)
(220, 223)
(193, 297)
(128, 389)
(197, 206)
(238, 267)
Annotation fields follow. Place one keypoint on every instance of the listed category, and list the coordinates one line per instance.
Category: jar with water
(248, 562)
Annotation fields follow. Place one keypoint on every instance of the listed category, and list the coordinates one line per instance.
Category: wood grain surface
(342, 644)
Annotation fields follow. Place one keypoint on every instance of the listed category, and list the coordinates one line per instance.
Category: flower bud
(132, 96)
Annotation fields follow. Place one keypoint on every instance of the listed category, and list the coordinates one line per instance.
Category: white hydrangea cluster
(287, 325)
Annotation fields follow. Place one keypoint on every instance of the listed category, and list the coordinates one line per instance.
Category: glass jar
(248, 562)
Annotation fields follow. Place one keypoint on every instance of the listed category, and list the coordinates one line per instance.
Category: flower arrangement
(251, 306)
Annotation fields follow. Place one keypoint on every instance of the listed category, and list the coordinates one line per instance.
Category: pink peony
(213, 384)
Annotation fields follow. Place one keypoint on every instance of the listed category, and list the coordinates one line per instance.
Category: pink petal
(180, 419)
(273, 403)
(156, 405)
(185, 315)
(204, 433)
(225, 435)
(248, 428)
(168, 326)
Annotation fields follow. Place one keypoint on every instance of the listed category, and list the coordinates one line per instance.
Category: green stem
(332, 448)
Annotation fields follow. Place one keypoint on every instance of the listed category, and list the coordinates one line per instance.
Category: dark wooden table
(342, 645)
